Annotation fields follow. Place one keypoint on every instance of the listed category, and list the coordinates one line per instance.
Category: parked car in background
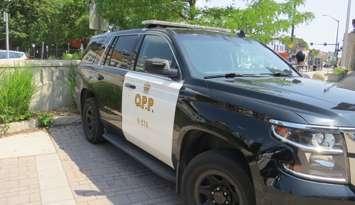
(13, 55)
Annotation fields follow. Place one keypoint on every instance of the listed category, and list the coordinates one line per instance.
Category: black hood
(316, 101)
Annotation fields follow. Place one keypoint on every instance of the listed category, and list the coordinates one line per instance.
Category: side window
(155, 47)
(121, 53)
(95, 50)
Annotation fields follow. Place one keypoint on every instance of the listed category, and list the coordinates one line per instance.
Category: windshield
(211, 54)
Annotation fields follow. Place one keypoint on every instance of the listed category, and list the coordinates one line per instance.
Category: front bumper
(290, 190)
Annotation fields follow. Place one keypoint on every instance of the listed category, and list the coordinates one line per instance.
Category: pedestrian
(300, 58)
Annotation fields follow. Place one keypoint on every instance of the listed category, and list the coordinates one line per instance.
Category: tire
(215, 178)
(92, 125)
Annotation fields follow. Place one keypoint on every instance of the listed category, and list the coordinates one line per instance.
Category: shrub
(45, 120)
(16, 90)
(72, 56)
(340, 71)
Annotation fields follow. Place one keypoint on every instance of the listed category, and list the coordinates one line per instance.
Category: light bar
(148, 23)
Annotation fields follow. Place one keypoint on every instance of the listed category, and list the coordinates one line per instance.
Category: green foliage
(45, 120)
(72, 56)
(50, 21)
(262, 19)
(130, 14)
(16, 90)
(340, 71)
(294, 44)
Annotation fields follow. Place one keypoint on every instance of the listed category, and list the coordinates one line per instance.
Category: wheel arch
(196, 141)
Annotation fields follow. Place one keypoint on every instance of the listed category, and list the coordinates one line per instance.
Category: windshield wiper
(230, 75)
(281, 74)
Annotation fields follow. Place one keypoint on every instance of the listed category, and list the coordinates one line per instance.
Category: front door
(149, 102)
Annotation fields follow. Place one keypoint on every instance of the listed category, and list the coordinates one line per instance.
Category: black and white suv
(222, 116)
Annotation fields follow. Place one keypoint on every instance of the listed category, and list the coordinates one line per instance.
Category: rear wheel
(215, 178)
(92, 125)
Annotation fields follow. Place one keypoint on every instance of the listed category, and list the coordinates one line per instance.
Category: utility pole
(348, 18)
(6, 19)
(336, 52)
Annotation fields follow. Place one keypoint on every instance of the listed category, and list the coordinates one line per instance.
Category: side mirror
(161, 67)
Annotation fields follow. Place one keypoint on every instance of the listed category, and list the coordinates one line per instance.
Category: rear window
(95, 50)
(121, 53)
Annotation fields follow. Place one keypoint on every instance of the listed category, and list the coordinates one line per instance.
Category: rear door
(149, 101)
(119, 60)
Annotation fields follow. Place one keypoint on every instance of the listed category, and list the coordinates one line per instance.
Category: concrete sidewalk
(348, 82)
(62, 168)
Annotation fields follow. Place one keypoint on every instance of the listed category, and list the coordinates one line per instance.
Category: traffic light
(311, 44)
(325, 44)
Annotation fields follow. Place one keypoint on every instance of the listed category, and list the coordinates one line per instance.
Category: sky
(321, 29)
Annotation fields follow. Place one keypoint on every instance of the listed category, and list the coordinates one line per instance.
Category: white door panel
(148, 113)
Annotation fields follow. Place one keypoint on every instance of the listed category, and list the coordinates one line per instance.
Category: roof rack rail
(166, 24)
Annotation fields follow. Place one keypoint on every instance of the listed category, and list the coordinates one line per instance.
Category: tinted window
(155, 47)
(121, 53)
(95, 50)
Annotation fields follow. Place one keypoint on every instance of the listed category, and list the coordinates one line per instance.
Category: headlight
(321, 151)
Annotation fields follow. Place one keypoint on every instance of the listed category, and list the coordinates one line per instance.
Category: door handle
(100, 77)
(129, 85)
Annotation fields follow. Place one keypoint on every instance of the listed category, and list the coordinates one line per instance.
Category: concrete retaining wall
(50, 77)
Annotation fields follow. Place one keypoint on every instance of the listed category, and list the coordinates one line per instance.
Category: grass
(16, 90)
(45, 120)
(72, 56)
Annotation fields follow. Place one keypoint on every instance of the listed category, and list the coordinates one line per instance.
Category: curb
(66, 120)
(32, 125)
(23, 126)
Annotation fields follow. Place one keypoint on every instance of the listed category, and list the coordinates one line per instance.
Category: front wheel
(92, 125)
(213, 178)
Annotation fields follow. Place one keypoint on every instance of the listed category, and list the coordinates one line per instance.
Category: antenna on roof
(167, 24)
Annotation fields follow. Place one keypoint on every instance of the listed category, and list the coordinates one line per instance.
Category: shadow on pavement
(103, 174)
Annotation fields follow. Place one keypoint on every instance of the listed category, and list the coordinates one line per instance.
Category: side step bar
(146, 159)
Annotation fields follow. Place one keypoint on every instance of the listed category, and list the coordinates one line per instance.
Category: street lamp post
(6, 19)
(336, 52)
(348, 17)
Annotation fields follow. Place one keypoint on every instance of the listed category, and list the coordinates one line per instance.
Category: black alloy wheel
(91, 122)
(217, 178)
(215, 187)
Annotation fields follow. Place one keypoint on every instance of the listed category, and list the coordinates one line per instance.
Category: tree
(294, 44)
(130, 14)
(262, 19)
(49, 21)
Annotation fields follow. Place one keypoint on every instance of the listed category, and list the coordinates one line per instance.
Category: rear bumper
(290, 190)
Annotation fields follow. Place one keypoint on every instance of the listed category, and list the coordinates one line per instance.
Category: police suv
(223, 116)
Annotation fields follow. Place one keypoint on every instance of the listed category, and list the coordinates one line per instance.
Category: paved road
(64, 169)
(102, 174)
